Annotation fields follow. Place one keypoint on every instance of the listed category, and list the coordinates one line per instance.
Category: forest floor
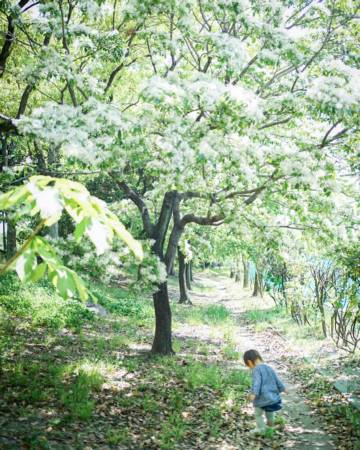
(71, 380)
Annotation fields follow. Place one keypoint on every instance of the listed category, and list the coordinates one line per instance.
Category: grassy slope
(72, 380)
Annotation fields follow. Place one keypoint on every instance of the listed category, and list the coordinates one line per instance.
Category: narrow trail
(303, 429)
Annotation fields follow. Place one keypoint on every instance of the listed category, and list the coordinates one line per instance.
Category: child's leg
(270, 418)
(260, 423)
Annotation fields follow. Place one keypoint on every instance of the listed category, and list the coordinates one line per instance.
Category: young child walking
(265, 390)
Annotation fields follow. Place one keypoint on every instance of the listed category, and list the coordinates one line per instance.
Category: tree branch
(8, 123)
(213, 221)
(23, 247)
(273, 124)
(324, 141)
(139, 202)
(9, 39)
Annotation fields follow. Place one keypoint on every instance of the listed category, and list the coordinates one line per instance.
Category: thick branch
(121, 65)
(9, 39)
(24, 100)
(162, 224)
(7, 124)
(139, 202)
(175, 234)
(213, 221)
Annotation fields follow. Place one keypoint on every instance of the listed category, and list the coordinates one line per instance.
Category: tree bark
(256, 286)
(237, 277)
(246, 274)
(53, 157)
(184, 298)
(191, 271)
(188, 275)
(10, 239)
(162, 340)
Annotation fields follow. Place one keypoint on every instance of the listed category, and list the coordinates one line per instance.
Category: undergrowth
(75, 373)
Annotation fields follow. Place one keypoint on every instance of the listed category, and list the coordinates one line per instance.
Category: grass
(73, 380)
(209, 315)
(307, 337)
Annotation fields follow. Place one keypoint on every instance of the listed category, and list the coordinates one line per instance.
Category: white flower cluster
(87, 133)
(232, 51)
(51, 65)
(339, 88)
(200, 90)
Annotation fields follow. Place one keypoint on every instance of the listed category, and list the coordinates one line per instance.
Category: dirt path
(303, 428)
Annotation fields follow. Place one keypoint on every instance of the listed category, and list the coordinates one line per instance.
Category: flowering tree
(201, 112)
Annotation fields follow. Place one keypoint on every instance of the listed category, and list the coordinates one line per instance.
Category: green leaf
(68, 283)
(83, 292)
(64, 282)
(38, 273)
(124, 235)
(47, 253)
(13, 197)
(81, 227)
(25, 264)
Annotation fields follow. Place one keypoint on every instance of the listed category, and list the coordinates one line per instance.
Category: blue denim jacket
(266, 386)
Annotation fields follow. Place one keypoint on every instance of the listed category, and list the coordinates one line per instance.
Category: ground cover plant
(82, 381)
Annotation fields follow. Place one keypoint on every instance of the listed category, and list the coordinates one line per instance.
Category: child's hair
(252, 355)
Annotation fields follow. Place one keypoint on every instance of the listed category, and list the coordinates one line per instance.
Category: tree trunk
(191, 271)
(188, 275)
(10, 239)
(246, 274)
(54, 231)
(182, 279)
(162, 341)
(237, 277)
(256, 286)
(261, 284)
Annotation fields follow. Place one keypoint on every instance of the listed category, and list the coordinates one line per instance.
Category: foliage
(243, 113)
(48, 197)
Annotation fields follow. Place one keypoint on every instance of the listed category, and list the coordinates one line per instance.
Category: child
(265, 390)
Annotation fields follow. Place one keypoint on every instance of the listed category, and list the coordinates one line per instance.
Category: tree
(202, 112)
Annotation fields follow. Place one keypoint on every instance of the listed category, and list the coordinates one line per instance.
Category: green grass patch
(306, 336)
(76, 393)
(209, 315)
(40, 305)
(116, 436)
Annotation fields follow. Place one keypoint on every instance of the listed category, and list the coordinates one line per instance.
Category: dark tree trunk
(232, 273)
(188, 275)
(10, 239)
(191, 271)
(237, 277)
(162, 341)
(184, 298)
(256, 286)
(246, 274)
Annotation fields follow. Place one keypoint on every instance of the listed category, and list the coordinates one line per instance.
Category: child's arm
(256, 384)
(279, 383)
